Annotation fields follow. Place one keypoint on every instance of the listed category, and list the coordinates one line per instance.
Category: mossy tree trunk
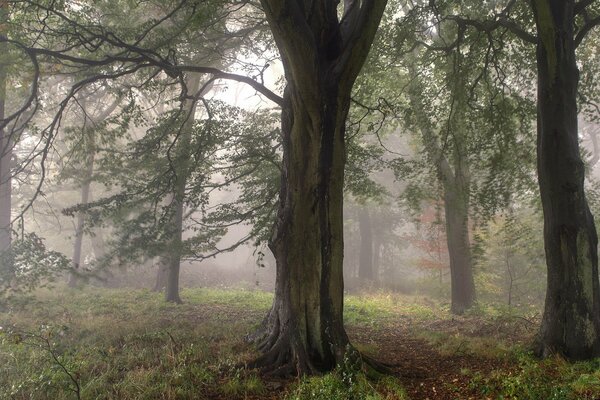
(322, 56)
(571, 321)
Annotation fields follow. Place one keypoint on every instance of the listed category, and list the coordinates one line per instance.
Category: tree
(92, 120)
(5, 142)
(571, 321)
(322, 56)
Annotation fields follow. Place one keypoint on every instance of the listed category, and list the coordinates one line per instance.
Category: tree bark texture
(571, 321)
(304, 331)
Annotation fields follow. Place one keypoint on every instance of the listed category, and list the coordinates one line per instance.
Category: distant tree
(571, 322)
(6, 142)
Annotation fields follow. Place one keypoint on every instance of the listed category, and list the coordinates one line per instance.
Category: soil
(426, 372)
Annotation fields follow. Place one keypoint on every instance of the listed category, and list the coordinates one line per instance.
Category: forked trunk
(322, 56)
(571, 321)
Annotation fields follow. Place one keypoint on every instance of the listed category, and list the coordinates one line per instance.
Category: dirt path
(424, 372)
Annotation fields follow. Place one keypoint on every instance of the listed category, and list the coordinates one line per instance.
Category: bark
(178, 203)
(304, 331)
(365, 271)
(571, 322)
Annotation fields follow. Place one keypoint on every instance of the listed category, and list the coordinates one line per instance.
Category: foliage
(27, 265)
(510, 259)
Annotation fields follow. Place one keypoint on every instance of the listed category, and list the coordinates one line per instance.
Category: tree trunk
(79, 227)
(377, 256)
(5, 148)
(365, 271)
(456, 207)
(161, 275)
(571, 321)
(181, 174)
(322, 56)
(305, 325)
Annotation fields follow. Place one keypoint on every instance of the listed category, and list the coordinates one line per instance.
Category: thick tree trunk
(365, 271)
(305, 332)
(571, 321)
(178, 203)
(322, 56)
(456, 207)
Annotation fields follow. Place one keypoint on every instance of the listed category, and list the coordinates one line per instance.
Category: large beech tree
(322, 56)
(571, 322)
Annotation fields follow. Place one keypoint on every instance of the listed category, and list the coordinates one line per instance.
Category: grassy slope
(118, 344)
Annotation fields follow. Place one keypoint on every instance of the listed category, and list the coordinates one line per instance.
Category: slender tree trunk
(6, 146)
(365, 271)
(80, 224)
(178, 203)
(456, 207)
(571, 321)
(161, 274)
(376, 256)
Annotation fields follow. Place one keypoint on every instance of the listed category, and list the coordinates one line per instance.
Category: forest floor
(129, 344)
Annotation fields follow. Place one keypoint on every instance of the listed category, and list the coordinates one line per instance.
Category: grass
(129, 344)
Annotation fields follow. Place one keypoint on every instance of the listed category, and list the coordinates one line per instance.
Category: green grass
(130, 344)
(552, 379)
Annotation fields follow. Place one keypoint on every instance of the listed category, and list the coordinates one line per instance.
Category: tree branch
(358, 30)
(581, 5)
(591, 24)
